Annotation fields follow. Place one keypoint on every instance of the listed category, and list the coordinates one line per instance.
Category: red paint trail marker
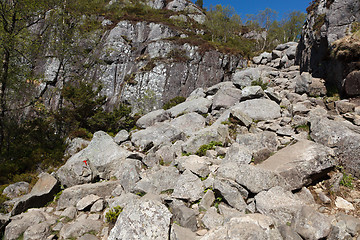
(85, 161)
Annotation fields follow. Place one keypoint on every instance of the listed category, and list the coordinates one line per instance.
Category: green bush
(202, 150)
(112, 215)
(260, 83)
(173, 102)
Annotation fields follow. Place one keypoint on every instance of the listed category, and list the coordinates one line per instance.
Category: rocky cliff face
(327, 22)
(148, 63)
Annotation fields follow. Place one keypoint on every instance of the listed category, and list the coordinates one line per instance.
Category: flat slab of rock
(71, 196)
(199, 105)
(250, 226)
(197, 165)
(42, 193)
(302, 163)
(257, 142)
(245, 174)
(279, 204)
(226, 98)
(142, 219)
(87, 202)
(259, 109)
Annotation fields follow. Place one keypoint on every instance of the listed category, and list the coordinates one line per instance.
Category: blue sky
(244, 7)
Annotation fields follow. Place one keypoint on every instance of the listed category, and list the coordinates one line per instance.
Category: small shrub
(355, 26)
(260, 83)
(313, 5)
(202, 150)
(319, 22)
(149, 66)
(112, 215)
(173, 102)
(347, 180)
(168, 191)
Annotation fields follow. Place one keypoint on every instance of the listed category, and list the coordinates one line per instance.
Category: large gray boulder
(151, 118)
(226, 97)
(199, 105)
(302, 163)
(259, 109)
(239, 154)
(243, 78)
(157, 180)
(279, 204)
(99, 159)
(16, 189)
(188, 187)
(337, 135)
(160, 133)
(189, 123)
(311, 224)
(142, 219)
(195, 164)
(71, 196)
(43, 192)
(258, 142)
(250, 226)
(309, 85)
(215, 132)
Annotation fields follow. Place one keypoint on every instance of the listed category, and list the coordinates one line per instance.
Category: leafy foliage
(112, 215)
(202, 150)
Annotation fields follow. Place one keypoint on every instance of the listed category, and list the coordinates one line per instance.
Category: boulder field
(262, 156)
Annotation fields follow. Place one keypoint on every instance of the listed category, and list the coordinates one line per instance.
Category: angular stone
(309, 85)
(41, 193)
(223, 85)
(37, 231)
(245, 175)
(225, 98)
(188, 187)
(301, 164)
(344, 106)
(151, 118)
(200, 105)
(343, 204)
(212, 219)
(189, 123)
(251, 92)
(69, 212)
(16, 189)
(180, 233)
(71, 196)
(184, 216)
(310, 224)
(279, 204)
(242, 117)
(197, 165)
(259, 109)
(87, 202)
(79, 228)
(207, 200)
(337, 135)
(160, 133)
(156, 181)
(121, 136)
(250, 226)
(216, 133)
(256, 142)
(238, 153)
(136, 221)
(128, 173)
(245, 77)
(75, 145)
(21, 222)
(232, 195)
(288, 233)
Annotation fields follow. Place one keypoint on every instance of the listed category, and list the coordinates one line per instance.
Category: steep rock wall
(327, 22)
